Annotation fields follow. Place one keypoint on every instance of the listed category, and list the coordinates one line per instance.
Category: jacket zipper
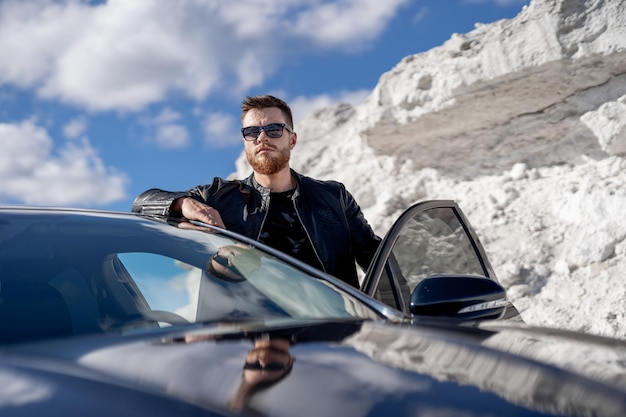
(267, 212)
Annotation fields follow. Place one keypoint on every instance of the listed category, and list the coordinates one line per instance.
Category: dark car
(116, 314)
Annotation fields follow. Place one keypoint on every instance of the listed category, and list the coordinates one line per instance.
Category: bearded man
(317, 222)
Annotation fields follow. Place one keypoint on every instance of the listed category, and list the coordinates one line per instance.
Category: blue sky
(100, 100)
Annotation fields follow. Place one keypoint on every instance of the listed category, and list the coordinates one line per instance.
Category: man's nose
(263, 137)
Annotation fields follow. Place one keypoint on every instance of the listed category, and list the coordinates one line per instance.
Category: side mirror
(463, 297)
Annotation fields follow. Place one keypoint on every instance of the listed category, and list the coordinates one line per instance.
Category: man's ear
(292, 140)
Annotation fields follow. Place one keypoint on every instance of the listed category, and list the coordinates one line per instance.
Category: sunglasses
(273, 130)
(272, 366)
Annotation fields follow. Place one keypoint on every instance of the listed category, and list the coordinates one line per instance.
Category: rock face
(523, 122)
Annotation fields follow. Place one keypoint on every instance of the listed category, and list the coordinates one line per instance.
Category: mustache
(264, 147)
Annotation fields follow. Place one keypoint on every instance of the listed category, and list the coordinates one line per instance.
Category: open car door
(431, 263)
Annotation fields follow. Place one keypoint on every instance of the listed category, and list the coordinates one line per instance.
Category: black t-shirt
(284, 231)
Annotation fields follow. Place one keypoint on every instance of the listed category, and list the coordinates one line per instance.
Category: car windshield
(65, 273)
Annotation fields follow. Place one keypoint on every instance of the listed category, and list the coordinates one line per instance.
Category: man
(318, 222)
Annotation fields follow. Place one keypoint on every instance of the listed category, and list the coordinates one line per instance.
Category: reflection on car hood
(504, 373)
(600, 358)
(356, 369)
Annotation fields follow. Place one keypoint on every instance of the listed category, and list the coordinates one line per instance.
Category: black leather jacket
(329, 214)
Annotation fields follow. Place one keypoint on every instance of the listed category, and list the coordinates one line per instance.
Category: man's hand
(194, 210)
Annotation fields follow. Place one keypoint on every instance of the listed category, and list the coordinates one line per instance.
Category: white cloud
(167, 133)
(35, 34)
(33, 174)
(124, 55)
(75, 128)
(221, 129)
(340, 22)
(421, 14)
(167, 116)
(172, 136)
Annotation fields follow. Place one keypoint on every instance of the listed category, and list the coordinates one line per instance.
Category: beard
(268, 165)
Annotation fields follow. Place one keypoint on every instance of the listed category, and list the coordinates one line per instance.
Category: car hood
(360, 369)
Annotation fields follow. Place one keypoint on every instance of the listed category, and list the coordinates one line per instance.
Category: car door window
(432, 243)
(429, 239)
(392, 288)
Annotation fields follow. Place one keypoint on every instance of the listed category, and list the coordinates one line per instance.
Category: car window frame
(381, 267)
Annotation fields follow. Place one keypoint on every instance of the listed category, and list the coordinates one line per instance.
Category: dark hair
(263, 102)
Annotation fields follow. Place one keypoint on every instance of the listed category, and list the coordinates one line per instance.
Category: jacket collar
(265, 192)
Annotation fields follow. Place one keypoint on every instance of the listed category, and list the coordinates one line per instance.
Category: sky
(101, 100)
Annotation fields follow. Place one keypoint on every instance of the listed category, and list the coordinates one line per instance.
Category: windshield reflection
(241, 281)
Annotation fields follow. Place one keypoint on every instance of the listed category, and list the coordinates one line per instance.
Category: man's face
(266, 155)
(268, 361)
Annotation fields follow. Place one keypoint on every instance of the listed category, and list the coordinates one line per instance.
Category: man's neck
(278, 182)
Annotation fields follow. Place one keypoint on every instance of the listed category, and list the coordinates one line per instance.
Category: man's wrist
(177, 205)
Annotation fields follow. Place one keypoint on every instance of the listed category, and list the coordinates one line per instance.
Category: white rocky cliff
(523, 123)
